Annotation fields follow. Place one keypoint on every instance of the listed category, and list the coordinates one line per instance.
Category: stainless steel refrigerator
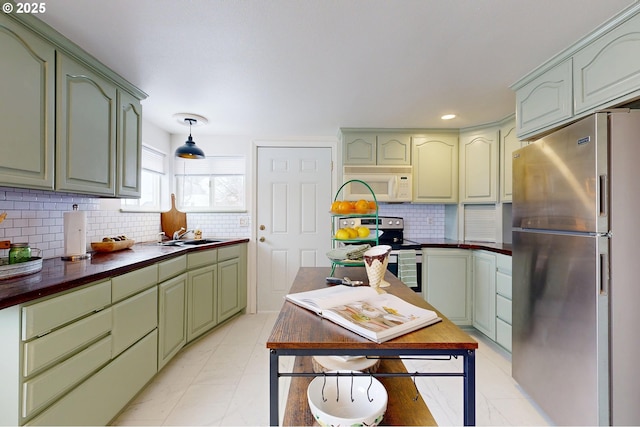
(576, 270)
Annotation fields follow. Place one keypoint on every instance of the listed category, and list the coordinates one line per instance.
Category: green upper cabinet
(372, 148)
(509, 143)
(546, 100)
(129, 145)
(86, 130)
(479, 166)
(27, 84)
(435, 168)
(602, 70)
(77, 123)
(608, 68)
(359, 149)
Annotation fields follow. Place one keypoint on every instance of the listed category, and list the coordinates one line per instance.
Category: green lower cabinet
(172, 319)
(228, 289)
(115, 384)
(201, 296)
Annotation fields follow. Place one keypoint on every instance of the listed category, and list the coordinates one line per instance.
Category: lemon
(352, 233)
(342, 234)
(363, 232)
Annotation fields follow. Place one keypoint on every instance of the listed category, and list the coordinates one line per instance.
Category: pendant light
(189, 150)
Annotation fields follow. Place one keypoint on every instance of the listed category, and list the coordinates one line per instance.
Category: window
(213, 184)
(153, 181)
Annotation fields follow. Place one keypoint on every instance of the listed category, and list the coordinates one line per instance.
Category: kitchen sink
(200, 241)
(172, 243)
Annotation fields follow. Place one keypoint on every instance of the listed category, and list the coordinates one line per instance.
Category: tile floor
(223, 380)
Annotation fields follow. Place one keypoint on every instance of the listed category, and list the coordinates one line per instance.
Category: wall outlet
(244, 221)
(429, 220)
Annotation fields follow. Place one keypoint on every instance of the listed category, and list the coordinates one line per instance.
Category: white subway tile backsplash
(36, 217)
(421, 221)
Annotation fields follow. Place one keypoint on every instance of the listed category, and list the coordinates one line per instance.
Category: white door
(294, 225)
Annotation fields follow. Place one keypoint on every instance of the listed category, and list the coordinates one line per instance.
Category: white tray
(8, 271)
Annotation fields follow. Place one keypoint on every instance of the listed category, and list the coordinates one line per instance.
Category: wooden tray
(112, 246)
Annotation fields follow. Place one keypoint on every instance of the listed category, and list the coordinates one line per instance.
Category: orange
(345, 207)
(335, 206)
(372, 205)
(362, 206)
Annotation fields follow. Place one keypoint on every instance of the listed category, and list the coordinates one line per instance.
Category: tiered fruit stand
(335, 242)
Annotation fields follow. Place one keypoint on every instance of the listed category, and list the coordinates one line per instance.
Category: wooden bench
(402, 409)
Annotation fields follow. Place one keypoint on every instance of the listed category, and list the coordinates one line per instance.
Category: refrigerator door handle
(603, 191)
(604, 274)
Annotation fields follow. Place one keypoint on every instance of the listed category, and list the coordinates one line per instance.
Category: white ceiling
(309, 67)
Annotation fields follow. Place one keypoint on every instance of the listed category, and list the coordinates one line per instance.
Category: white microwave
(388, 183)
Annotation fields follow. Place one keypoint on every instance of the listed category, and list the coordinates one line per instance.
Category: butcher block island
(302, 333)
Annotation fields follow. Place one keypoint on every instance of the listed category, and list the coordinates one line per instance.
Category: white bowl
(338, 409)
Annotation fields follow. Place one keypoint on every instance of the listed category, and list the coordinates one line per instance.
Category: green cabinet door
(172, 319)
(86, 129)
(129, 145)
(479, 166)
(447, 281)
(201, 301)
(435, 168)
(228, 300)
(484, 293)
(27, 85)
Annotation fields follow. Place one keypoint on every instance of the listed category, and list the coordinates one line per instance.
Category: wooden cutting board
(172, 220)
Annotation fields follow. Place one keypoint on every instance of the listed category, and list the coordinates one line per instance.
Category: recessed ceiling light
(448, 117)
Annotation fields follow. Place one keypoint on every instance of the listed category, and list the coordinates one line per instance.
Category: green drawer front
(60, 344)
(171, 267)
(46, 387)
(228, 252)
(42, 317)
(133, 318)
(117, 383)
(503, 334)
(503, 263)
(202, 258)
(503, 309)
(134, 282)
(503, 285)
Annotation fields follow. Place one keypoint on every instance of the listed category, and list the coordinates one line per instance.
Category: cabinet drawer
(116, 383)
(503, 334)
(228, 252)
(133, 318)
(53, 347)
(133, 282)
(42, 317)
(503, 263)
(202, 258)
(171, 267)
(56, 381)
(503, 285)
(503, 309)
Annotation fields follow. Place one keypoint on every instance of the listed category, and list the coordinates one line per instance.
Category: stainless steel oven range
(393, 235)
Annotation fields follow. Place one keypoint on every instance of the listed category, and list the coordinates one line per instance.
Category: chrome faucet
(178, 236)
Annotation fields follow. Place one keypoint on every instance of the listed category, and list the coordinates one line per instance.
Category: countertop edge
(58, 276)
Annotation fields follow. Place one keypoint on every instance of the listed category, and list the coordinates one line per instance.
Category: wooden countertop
(58, 275)
(501, 248)
(298, 328)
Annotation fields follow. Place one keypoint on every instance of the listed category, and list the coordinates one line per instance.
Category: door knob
(262, 227)
(262, 239)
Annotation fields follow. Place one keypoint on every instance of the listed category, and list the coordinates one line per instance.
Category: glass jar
(19, 252)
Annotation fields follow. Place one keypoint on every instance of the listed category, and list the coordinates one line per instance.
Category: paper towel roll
(75, 236)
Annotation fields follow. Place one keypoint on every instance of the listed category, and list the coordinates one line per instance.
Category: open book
(378, 317)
